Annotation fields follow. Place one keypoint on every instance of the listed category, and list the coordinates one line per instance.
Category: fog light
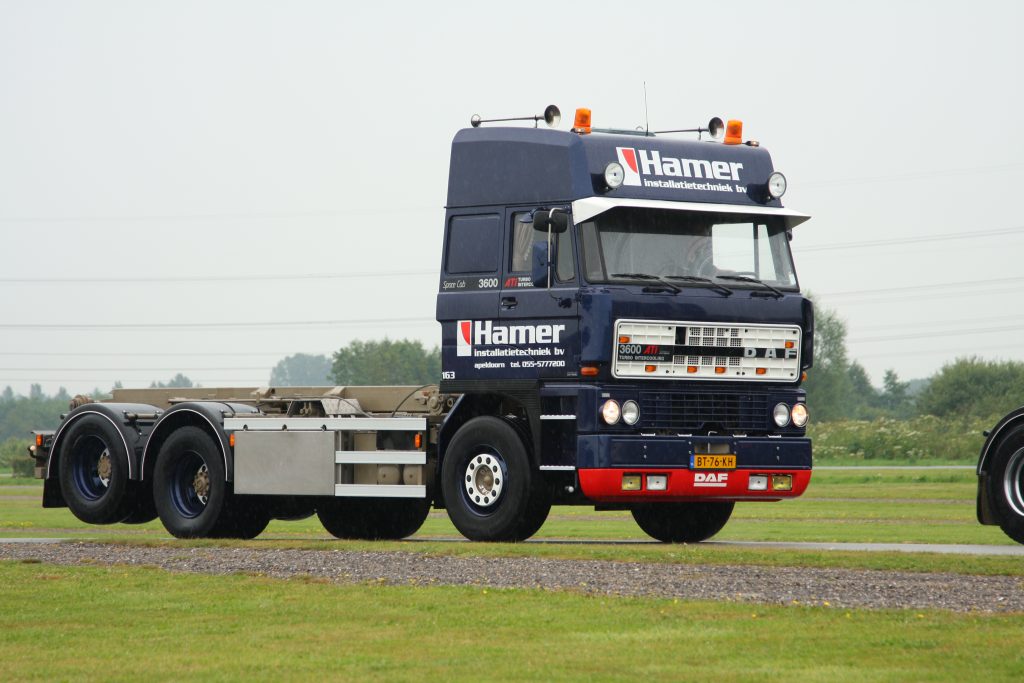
(781, 414)
(613, 175)
(630, 412)
(657, 482)
(631, 482)
(799, 415)
(782, 482)
(610, 412)
(758, 482)
(776, 185)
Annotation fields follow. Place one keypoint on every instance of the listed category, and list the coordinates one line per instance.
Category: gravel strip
(838, 588)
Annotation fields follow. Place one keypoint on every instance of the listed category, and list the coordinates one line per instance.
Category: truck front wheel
(94, 472)
(491, 489)
(1006, 484)
(682, 522)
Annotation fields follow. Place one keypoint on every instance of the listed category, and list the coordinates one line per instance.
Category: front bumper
(603, 460)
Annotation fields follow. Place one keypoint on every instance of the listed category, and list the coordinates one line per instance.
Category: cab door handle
(509, 302)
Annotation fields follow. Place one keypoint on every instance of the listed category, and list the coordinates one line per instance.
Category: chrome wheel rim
(484, 480)
(1013, 476)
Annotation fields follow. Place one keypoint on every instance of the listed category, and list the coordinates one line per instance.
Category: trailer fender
(117, 414)
(206, 415)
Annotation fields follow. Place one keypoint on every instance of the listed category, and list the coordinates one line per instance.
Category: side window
(474, 244)
(523, 238)
(522, 243)
(565, 269)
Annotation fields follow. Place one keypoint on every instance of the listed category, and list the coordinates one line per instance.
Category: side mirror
(556, 221)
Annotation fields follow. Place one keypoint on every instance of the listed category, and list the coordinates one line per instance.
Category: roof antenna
(647, 119)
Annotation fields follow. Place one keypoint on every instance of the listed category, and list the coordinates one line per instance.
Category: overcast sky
(174, 174)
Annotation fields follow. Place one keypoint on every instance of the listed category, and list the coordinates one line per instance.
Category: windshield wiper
(644, 275)
(722, 289)
(754, 280)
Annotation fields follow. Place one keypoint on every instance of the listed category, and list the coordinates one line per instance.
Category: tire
(1006, 484)
(243, 517)
(189, 486)
(93, 472)
(373, 518)
(491, 490)
(682, 522)
(291, 508)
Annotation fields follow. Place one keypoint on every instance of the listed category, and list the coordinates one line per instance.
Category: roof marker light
(734, 132)
(582, 123)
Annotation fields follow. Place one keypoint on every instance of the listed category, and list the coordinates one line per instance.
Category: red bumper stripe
(605, 485)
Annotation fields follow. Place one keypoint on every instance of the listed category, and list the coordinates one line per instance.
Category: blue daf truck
(621, 327)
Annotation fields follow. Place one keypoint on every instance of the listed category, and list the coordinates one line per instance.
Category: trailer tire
(241, 518)
(93, 472)
(373, 519)
(682, 522)
(1006, 484)
(491, 489)
(145, 508)
(189, 486)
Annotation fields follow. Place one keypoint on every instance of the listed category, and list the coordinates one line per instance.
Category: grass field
(242, 627)
(91, 623)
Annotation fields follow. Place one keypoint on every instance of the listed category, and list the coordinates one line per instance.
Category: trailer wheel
(682, 522)
(491, 490)
(94, 472)
(189, 486)
(373, 518)
(1006, 484)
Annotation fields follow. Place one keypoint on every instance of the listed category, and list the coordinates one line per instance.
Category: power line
(216, 278)
(938, 323)
(118, 354)
(944, 333)
(241, 216)
(213, 326)
(182, 369)
(252, 382)
(913, 176)
(932, 352)
(910, 240)
(886, 291)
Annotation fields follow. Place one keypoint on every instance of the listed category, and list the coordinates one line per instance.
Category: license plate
(714, 462)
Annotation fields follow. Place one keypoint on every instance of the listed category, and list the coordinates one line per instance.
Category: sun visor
(585, 209)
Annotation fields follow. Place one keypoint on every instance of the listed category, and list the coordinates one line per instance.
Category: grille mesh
(690, 411)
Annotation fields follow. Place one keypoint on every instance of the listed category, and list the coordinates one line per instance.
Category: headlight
(781, 414)
(613, 175)
(630, 412)
(776, 185)
(610, 411)
(799, 415)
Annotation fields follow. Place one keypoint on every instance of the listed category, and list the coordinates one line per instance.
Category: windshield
(686, 244)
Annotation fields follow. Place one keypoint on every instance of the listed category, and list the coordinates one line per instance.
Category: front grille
(686, 412)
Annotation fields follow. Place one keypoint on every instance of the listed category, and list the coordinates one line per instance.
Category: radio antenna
(647, 119)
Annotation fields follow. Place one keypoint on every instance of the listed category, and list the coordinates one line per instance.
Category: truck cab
(627, 306)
